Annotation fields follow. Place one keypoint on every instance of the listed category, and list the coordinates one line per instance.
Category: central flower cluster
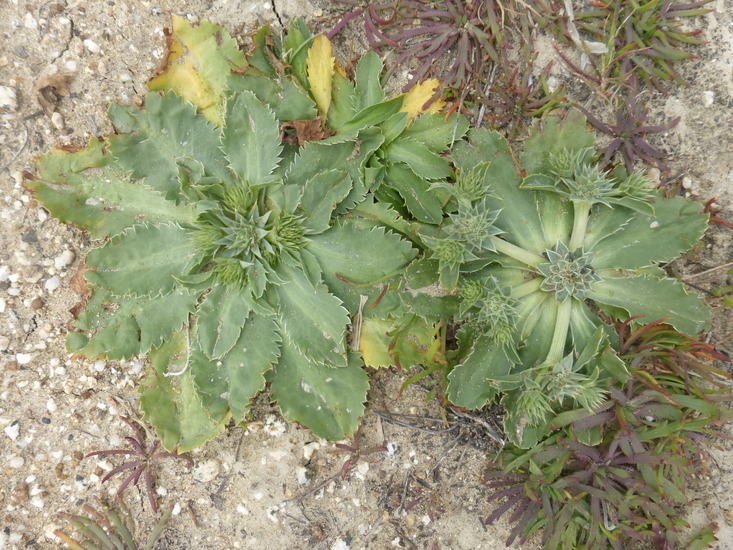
(244, 241)
(568, 273)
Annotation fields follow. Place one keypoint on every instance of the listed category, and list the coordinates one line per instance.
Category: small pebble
(8, 98)
(52, 284)
(51, 406)
(13, 431)
(64, 260)
(91, 45)
(206, 470)
(58, 121)
(16, 462)
(23, 358)
(708, 98)
(687, 183)
(29, 22)
(37, 303)
(99, 365)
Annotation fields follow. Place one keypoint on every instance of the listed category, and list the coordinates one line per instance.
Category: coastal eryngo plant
(542, 263)
(217, 238)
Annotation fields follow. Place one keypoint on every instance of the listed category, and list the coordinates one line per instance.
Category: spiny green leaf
(244, 366)
(654, 299)
(284, 97)
(316, 157)
(342, 102)
(122, 328)
(58, 165)
(557, 135)
(170, 400)
(353, 257)
(250, 140)
(368, 88)
(219, 319)
(419, 199)
(419, 158)
(167, 130)
(435, 132)
(106, 204)
(314, 320)
(328, 401)
(143, 260)
(472, 382)
(370, 116)
(321, 194)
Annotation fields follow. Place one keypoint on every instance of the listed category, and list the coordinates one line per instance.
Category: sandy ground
(244, 492)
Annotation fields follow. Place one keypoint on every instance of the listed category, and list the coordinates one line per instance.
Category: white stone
(52, 284)
(99, 366)
(708, 98)
(206, 470)
(23, 358)
(300, 474)
(16, 462)
(13, 431)
(687, 182)
(29, 22)
(92, 46)
(64, 260)
(58, 121)
(8, 98)
(51, 405)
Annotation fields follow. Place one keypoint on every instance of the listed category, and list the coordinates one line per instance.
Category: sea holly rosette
(543, 263)
(215, 245)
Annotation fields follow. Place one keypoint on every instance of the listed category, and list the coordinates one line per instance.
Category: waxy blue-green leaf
(172, 403)
(250, 141)
(328, 401)
(142, 261)
(168, 129)
(654, 299)
(314, 320)
(518, 218)
(219, 319)
(645, 240)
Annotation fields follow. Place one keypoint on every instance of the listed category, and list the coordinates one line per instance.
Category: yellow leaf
(374, 343)
(419, 96)
(320, 64)
(199, 59)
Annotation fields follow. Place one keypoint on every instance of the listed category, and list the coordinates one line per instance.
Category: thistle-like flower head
(474, 225)
(568, 274)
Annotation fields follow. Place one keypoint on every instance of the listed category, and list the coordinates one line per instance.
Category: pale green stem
(562, 325)
(520, 254)
(525, 289)
(580, 224)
